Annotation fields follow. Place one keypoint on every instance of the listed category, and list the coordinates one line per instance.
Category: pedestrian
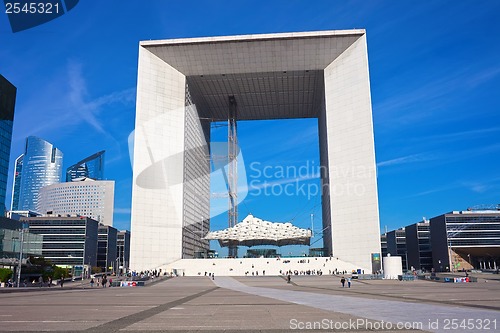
(213, 276)
(50, 281)
(104, 281)
(92, 283)
(349, 282)
(289, 278)
(61, 282)
(110, 282)
(342, 280)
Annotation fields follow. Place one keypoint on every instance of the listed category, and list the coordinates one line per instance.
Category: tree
(96, 270)
(5, 274)
(60, 272)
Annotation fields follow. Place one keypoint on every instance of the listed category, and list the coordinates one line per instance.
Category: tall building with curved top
(41, 166)
(91, 167)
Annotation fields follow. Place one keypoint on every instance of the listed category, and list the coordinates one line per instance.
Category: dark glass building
(67, 241)
(418, 243)
(7, 104)
(12, 233)
(107, 248)
(383, 244)
(466, 240)
(396, 245)
(123, 250)
(41, 166)
(90, 167)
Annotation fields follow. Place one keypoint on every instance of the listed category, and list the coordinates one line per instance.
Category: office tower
(7, 104)
(41, 166)
(18, 172)
(90, 167)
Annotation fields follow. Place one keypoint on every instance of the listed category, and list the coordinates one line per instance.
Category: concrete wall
(271, 266)
(353, 196)
(157, 188)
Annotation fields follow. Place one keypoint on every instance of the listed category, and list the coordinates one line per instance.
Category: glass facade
(466, 240)
(18, 171)
(42, 166)
(90, 167)
(424, 245)
(473, 229)
(106, 248)
(383, 244)
(123, 250)
(10, 242)
(67, 241)
(7, 104)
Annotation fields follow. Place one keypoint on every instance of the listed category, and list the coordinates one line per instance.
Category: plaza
(264, 304)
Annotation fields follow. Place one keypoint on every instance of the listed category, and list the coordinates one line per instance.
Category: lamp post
(20, 263)
(83, 254)
(450, 254)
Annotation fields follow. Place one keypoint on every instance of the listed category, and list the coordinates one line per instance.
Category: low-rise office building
(67, 241)
(466, 240)
(383, 244)
(14, 239)
(123, 250)
(107, 248)
(418, 245)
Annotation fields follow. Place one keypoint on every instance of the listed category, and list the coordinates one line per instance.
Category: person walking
(342, 280)
(349, 282)
(92, 283)
(104, 281)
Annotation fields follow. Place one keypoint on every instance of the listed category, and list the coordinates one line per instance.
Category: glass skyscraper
(7, 103)
(41, 166)
(90, 167)
(18, 172)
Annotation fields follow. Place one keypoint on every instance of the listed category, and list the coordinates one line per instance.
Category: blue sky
(435, 79)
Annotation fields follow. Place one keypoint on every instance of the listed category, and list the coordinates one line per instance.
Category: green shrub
(5, 274)
(60, 272)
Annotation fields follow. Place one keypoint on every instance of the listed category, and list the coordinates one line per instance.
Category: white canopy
(254, 231)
